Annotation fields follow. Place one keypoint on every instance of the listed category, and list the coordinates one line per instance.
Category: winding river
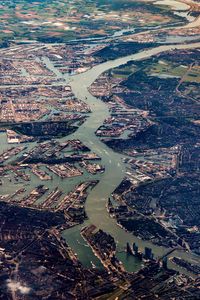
(115, 168)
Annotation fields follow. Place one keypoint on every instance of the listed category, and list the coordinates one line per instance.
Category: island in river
(81, 177)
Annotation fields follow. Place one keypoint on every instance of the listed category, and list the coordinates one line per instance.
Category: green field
(63, 20)
(175, 69)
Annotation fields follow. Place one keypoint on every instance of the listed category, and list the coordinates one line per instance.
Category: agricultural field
(123, 71)
(163, 68)
(64, 20)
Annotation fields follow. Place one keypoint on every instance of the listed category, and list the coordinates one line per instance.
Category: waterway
(178, 8)
(115, 168)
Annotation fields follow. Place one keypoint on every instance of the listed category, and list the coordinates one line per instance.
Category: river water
(115, 168)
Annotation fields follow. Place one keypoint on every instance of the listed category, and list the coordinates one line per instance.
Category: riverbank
(114, 167)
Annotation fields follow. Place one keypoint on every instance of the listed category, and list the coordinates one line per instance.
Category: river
(115, 168)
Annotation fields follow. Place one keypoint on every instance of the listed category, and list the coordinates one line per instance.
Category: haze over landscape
(99, 149)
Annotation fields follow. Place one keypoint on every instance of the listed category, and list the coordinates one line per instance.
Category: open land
(61, 21)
